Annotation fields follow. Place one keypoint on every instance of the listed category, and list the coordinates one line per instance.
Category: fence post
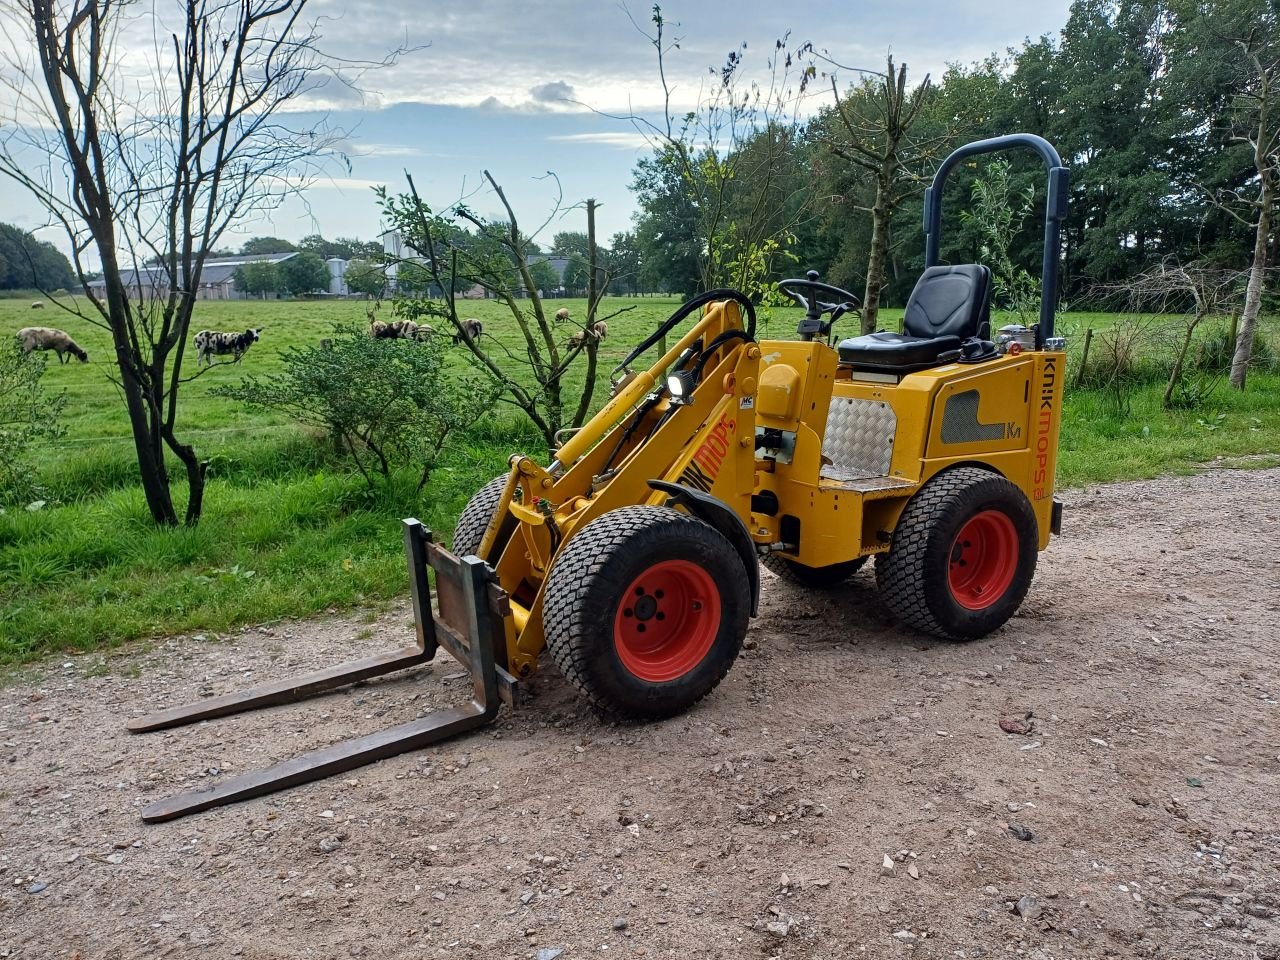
(1084, 356)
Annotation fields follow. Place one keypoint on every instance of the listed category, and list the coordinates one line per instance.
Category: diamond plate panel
(859, 439)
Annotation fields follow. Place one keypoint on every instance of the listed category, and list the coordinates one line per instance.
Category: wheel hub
(667, 620)
(646, 607)
(984, 559)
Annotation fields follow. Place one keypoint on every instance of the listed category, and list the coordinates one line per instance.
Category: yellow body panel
(752, 436)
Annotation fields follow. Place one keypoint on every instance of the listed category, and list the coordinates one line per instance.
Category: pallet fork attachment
(473, 614)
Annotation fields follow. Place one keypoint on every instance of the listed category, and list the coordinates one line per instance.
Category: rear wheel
(816, 578)
(475, 517)
(963, 555)
(645, 609)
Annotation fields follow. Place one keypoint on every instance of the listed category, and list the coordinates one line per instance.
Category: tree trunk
(1175, 375)
(143, 419)
(880, 214)
(1253, 292)
(151, 466)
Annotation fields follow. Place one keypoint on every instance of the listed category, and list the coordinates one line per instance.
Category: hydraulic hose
(688, 307)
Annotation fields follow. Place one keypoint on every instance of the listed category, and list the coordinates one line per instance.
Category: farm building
(218, 280)
(395, 248)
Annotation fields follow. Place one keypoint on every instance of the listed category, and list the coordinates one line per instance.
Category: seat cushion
(895, 351)
(950, 301)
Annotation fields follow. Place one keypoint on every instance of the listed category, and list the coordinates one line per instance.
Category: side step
(472, 624)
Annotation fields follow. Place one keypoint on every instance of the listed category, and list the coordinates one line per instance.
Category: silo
(337, 276)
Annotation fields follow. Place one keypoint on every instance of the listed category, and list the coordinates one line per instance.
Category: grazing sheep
(47, 338)
(37, 304)
(399, 330)
(562, 315)
(597, 331)
(472, 328)
(211, 343)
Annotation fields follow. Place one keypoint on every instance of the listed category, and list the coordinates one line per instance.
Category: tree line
(1164, 110)
(30, 264)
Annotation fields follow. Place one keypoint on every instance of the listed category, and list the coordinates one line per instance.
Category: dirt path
(756, 826)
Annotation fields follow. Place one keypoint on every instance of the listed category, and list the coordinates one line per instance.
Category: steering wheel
(796, 288)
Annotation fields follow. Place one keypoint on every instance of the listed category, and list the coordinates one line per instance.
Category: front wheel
(645, 609)
(963, 555)
(474, 520)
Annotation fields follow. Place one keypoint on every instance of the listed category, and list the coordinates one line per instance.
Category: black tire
(815, 578)
(475, 517)
(694, 626)
(925, 579)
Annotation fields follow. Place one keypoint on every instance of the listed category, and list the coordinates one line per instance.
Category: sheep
(472, 328)
(211, 343)
(37, 304)
(399, 330)
(47, 338)
(597, 331)
(562, 315)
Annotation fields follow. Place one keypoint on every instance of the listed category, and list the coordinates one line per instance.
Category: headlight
(675, 385)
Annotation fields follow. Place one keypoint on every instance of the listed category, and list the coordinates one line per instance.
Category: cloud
(555, 92)
(622, 140)
(383, 150)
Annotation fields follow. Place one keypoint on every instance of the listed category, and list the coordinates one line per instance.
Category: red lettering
(708, 459)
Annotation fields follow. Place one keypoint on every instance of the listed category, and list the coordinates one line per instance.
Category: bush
(388, 404)
(27, 416)
(1216, 350)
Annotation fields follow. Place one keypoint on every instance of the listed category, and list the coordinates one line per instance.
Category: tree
(571, 243)
(575, 247)
(159, 165)
(344, 248)
(495, 256)
(27, 263)
(303, 273)
(544, 276)
(1229, 51)
(261, 245)
(623, 260)
(576, 275)
(998, 212)
(366, 277)
(257, 279)
(697, 225)
(667, 224)
(877, 119)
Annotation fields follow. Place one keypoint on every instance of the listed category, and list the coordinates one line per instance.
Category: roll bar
(1055, 211)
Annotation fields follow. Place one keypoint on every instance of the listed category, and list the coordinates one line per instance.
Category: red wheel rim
(667, 620)
(984, 559)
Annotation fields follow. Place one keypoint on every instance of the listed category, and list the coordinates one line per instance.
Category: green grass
(289, 531)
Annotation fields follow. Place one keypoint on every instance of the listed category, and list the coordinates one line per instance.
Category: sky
(523, 89)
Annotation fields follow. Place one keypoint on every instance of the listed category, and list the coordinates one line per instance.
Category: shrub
(1216, 350)
(387, 404)
(27, 416)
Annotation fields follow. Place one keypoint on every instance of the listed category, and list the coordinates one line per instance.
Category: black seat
(948, 306)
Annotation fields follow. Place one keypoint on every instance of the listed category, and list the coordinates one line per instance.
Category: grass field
(289, 530)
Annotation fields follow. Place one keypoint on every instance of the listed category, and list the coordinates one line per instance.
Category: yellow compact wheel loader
(633, 557)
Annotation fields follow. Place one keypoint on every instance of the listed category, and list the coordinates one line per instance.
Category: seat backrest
(950, 301)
